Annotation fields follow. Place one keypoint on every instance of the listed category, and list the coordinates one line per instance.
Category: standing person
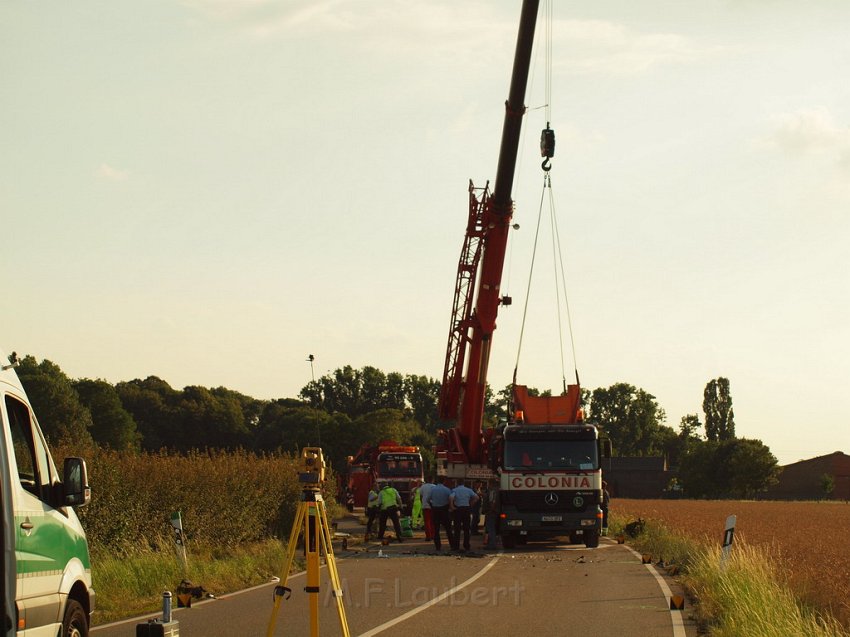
(460, 503)
(390, 500)
(606, 498)
(475, 510)
(424, 492)
(438, 501)
(373, 507)
(490, 506)
(416, 518)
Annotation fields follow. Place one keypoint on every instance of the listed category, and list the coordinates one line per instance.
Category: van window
(30, 451)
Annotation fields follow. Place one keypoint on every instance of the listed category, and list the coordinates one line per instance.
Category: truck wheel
(508, 541)
(575, 538)
(591, 539)
(75, 623)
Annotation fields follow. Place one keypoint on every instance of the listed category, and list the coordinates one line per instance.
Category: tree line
(349, 407)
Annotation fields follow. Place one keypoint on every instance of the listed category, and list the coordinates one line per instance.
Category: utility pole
(311, 358)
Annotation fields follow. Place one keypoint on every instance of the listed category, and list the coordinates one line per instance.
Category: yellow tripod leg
(311, 536)
(327, 546)
(317, 539)
(300, 518)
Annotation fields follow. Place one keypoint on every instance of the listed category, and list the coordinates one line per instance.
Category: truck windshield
(551, 454)
(399, 465)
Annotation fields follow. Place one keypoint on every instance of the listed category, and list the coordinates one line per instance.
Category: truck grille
(564, 501)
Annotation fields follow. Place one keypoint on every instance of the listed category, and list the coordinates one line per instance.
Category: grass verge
(744, 597)
(132, 584)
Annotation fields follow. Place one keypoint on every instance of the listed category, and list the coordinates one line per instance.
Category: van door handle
(27, 526)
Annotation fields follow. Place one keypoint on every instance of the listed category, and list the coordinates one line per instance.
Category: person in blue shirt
(438, 500)
(460, 504)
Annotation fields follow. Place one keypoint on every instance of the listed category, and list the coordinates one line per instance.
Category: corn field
(226, 499)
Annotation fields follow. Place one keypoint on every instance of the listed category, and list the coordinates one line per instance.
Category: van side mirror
(75, 486)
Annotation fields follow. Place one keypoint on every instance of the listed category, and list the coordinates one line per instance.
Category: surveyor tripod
(311, 519)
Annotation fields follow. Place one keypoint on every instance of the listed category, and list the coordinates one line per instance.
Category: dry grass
(807, 540)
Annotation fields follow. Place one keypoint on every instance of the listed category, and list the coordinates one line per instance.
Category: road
(543, 588)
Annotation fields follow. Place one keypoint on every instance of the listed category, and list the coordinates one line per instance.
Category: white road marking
(436, 600)
(675, 615)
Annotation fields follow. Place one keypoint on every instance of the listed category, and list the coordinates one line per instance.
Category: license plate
(552, 518)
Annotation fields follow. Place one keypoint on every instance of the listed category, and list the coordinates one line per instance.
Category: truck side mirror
(606, 447)
(75, 486)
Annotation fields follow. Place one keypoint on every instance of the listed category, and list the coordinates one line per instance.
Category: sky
(211, 190)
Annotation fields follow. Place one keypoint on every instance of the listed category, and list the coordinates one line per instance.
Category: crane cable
(560, 281)
(558, 259)
(547, 148)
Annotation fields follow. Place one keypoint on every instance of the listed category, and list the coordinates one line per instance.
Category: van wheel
(591, 539)
(75, 623)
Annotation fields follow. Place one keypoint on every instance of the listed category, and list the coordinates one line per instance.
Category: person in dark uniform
(438, 500)
(460, 504)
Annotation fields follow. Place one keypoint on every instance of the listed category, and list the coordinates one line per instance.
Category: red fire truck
(400, 465)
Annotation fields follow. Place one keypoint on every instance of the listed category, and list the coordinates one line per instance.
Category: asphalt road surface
(543, 588)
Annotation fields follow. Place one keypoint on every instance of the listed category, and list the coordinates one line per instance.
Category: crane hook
(547, 147)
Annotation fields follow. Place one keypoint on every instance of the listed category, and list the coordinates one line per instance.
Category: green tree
(631, 417)
(209, 420)
(63, 418)
(112, 425)
(689, 427)
(739, 468)
(677, 446)
(423, 394)
(289, 425)
(827, 485)
(669, 442)
(251, 407)
(338, 392)
(719, 415)
(152, 403)
(357, 392)
(698, 473)
(753, 468)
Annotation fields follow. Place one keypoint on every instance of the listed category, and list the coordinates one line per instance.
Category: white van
(51, 566)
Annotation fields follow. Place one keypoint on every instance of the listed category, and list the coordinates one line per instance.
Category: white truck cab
(52, 570)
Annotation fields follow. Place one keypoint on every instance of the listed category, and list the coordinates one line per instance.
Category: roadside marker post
(728, 536)
(180, 540)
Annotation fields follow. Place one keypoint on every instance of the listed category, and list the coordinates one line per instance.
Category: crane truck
(545, 460)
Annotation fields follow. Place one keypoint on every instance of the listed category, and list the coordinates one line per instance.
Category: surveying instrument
(312, 519)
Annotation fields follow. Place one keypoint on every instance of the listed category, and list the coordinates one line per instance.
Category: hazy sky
(210, 190)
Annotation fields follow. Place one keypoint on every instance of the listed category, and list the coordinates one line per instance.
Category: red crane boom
(482, 260)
